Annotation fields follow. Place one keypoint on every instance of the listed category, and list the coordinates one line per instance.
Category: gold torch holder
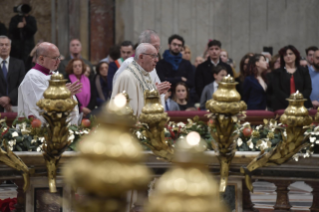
(225, 108)
(188, 186)
(297, 119)
(154, 116)
(110, 161)
(57, 106)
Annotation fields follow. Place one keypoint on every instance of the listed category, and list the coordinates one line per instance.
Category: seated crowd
(264, 81)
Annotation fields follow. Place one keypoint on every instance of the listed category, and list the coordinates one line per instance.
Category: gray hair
(141, 48)
(5, 37)
(146, 35)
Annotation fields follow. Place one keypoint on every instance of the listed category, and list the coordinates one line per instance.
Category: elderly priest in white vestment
(36, 81)
(135, 79)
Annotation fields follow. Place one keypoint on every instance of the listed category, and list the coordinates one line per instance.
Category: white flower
(259, 127)
(180, 124)
(239, 142)
(250, 144)
(33, 141)
(295, 157)
(312, 139)
(39, 149)
(15, 134)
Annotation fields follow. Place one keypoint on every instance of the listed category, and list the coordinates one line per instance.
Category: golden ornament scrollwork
(225, 108)
(56, 106)
(154, 116)
(297, 119)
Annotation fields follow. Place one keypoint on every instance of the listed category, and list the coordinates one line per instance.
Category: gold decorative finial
(110, 161)
(154, 116)
(57, 104)
(188, 186)
(225, 107)
(297, 119)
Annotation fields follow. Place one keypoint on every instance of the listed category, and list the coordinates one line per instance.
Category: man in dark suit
(75, 49)
(204, 71)
(11, 75)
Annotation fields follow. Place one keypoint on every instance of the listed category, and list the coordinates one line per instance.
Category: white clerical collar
(215, 64)
(7, 60)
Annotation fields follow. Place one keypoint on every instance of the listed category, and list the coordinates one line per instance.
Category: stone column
(315, 192)
(21, 197)
(282, 202)
(248, 206)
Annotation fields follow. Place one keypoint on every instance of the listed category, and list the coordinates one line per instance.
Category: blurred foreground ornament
(154, 116)
(225, 107)
(57, 106)
(297, 119)
(12, 160)
(188, 186)
(109, 163)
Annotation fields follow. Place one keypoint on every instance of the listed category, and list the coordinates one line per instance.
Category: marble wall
(241, 25)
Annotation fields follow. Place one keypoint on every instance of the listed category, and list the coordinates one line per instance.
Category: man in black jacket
(173, 68)
(204, 71)
(11, 75)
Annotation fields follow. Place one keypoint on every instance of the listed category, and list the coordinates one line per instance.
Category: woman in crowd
(274, 62)
(181, 97)
(187, 54)
(198, 60)
(75, 72)
(100, 82)
(254, 86)
(219, 72)
(242, 73)
(224, 57)
(289, 78)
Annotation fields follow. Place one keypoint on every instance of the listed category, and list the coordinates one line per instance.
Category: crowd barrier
(254, 117)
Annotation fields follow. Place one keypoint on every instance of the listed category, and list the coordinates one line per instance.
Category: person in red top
(289, 78)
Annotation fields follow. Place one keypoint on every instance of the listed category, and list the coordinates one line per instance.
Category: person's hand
(315, 103)
(8, 108)
(4, 101)
(184, 79)
(163, 87)
(20, 25)
(74, 87)
(85, 111)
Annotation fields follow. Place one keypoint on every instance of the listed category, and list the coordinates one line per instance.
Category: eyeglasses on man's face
(154, 56)
(53, 58)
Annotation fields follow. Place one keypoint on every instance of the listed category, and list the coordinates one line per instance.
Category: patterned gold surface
(110, 161)
(225, 107)
(154, 116)
(297, 120)
(188, 186)
(56, 105)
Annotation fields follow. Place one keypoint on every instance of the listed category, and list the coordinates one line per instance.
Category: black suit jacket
(15, 76)
(204, 74)
(281, 87)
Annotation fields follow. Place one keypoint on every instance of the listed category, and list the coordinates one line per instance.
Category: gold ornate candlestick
(154, 116)
(297, 119)
(225, 107)
(57, 106)
(188, 186)
(110, 161)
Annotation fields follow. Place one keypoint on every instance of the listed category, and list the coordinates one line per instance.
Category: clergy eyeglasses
(53, 58)
(154, 56)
